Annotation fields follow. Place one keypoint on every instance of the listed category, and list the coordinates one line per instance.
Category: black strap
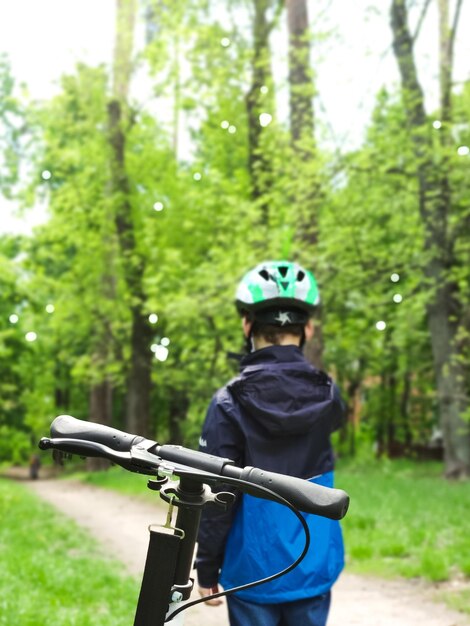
(159, 574)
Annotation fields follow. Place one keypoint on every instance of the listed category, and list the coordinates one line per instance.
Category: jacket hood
(281, 391)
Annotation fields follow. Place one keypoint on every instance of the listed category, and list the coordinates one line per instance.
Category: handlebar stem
(188, 519)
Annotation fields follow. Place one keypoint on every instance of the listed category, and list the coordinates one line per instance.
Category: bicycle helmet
(278, 292)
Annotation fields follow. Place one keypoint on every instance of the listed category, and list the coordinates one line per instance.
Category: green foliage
(52, 571)
(400, 524)
(373, 231)
(11, 128)
(15, 355)
(69, 262)
(353, 218)
(15, 444)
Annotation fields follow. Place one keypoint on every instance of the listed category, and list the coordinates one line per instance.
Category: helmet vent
(283, 271)
(300, 276)
(264, 274)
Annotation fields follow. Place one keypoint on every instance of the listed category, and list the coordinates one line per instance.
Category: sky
(46, 38)
(43, 40)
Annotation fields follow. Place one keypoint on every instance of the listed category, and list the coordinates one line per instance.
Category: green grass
(460, 601)
(120, 480)
(51, 572)
(406, 520)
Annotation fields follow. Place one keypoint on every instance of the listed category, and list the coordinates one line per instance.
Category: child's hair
(274, 334)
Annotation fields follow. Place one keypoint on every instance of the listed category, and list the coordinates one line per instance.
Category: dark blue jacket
(278, 415)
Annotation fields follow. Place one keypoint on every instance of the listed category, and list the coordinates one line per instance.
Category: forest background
(119, 307)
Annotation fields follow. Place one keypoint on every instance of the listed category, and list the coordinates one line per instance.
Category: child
(278, 415)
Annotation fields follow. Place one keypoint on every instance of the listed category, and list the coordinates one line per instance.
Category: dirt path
(120, 524)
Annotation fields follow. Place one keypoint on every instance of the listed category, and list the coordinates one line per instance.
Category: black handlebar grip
(66, 426)
(304, 495)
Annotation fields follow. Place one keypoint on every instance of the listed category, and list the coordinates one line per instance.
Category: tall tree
(133, 263)
(301, 87)
(307, 190)
(261, 84)
(445, 308)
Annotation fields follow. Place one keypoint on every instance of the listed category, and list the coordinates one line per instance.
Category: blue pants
(309, 612)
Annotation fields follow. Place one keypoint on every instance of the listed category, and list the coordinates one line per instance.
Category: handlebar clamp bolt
(176, 596)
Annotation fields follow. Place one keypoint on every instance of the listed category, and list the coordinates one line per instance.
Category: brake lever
(82, 448)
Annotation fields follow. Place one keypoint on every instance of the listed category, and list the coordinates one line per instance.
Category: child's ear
(309, 330)
(246, 325)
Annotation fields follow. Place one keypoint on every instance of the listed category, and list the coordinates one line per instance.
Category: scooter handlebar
(91, 439)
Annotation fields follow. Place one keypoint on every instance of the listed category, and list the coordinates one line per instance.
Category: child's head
(276, 300)
(264, 335)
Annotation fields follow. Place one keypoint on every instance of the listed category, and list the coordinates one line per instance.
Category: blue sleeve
(221, 436)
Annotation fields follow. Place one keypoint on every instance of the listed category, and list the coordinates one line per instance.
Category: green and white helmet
(277, 286)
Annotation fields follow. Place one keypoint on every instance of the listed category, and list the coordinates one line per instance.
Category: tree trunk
(101, 392)
(63, 384)
(454, 390)
(101, 413)
(314, 348)
(179, 405)
(444, 310)
(301, 86)
(126, 11)
(353, 400)
(302, 129)
(257, 102)
(138, 381)
(404, 409)
(391, 403)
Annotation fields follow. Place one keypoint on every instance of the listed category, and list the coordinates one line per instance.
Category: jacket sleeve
(220, 436)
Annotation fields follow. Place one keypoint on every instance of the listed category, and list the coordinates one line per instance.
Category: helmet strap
(249, 346)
